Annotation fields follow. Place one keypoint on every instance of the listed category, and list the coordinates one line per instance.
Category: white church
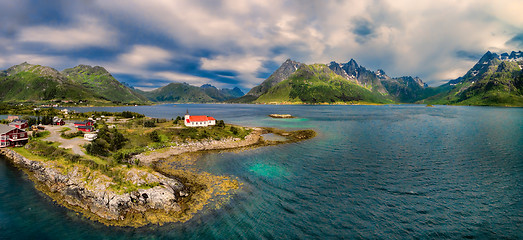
(198, 121)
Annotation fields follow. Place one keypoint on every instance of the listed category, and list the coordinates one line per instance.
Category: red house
(58, 121)
(20, 124)
(86, 128)
(11, 136)
(84, 123)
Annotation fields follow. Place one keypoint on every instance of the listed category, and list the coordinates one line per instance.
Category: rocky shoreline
(195, 146)
(98, 201)
(165, 194)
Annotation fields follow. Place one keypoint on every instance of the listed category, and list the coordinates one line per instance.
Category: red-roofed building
(199, 121)
(11, 136)
(85, 128)
(20, 124)
(84, 123)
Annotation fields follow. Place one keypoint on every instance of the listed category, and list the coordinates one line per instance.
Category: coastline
(175, 193)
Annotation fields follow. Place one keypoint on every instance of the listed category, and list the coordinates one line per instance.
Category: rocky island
(139, 170)
(281, 116)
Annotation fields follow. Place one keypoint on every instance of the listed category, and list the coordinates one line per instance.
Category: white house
(199, 121)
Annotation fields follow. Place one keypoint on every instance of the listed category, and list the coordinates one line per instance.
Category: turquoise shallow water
(372, 172)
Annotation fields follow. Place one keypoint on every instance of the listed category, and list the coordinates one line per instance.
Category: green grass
(64, 129)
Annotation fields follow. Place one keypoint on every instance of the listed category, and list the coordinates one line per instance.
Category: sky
(229, 43)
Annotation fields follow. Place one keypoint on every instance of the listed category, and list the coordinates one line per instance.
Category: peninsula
(132, 170)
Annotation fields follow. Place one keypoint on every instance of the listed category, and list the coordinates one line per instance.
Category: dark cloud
(363, 29)
(469, 55)
(243, 42)
(517, 41)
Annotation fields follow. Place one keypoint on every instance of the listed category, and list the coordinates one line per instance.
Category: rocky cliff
(92, 195)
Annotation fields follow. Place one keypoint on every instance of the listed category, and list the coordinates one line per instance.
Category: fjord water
(398, 172)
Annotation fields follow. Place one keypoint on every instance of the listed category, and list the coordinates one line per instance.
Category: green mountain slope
(185, 93)
(343, 83)
(26, 82)
(283, 72)
(409, 90)
(35, 83)
(179, 92)
(221, 94)
(97, 79)
(317, 83)
(493, 81)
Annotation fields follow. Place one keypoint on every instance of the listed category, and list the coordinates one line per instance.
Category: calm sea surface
(389, 172)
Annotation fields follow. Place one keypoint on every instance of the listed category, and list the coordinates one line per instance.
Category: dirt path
(75, 144)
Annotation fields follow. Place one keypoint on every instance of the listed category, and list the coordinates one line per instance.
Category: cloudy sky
(230, 43)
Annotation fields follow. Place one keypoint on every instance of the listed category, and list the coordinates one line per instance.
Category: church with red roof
(198, 121)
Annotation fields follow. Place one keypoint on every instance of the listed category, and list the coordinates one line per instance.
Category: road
(75, 144)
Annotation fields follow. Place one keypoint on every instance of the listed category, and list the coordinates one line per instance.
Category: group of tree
(108, 140)
(44, 120)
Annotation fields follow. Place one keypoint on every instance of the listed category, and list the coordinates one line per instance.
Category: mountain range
(35, 83)
(185, 93)
(295, 82)
(493, 80)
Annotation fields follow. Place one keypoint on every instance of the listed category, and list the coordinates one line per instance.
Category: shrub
(71, 135)
(97, 147)
(220, 123)
(154, 136)
(149, 123)
(234, 130)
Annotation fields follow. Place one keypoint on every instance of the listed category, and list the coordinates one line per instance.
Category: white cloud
(86, 32)
(180, 77)
(11, 60)
(403, 37)
(138, 60)
(247, 67)
(142, 55)
(238, 63)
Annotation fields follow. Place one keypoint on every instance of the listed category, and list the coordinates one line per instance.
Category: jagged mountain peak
(88, 69)
(208, 86)
(351, 68)
(380, 73)
(283, 72)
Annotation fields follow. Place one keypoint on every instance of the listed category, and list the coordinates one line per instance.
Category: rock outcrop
(92, 192)
(227, 143)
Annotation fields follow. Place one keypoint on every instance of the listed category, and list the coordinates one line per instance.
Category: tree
(220, 123)
(149, 123)
(117, 140)
(178, 119)
(154, 136)
(234, 130)
(97, 147)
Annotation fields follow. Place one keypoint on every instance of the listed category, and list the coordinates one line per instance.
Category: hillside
(348, 82)
(317, 83)
(221, 94)
(26, 82)
(185, 93)
(97, 79)
(495, 80)
(35, 83)
(179, 92)
(283, 72)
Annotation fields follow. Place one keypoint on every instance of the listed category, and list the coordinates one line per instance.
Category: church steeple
(187, 114)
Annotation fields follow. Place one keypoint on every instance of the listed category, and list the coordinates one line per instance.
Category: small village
(18, 132)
